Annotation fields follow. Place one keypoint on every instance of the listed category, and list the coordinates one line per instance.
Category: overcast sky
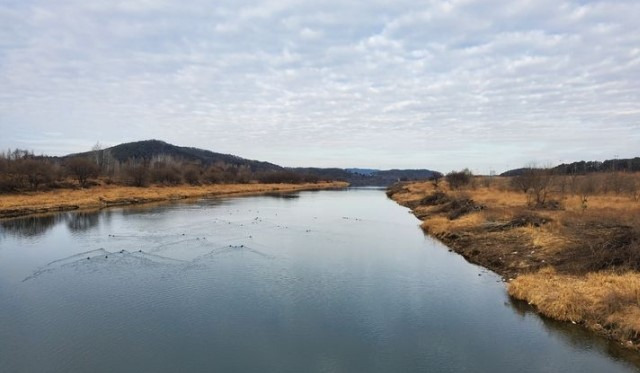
(387, 84)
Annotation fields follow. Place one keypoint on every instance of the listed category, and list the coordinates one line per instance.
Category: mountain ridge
(148, 149)
(586, 167)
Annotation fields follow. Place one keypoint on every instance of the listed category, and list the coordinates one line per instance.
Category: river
(326, 281)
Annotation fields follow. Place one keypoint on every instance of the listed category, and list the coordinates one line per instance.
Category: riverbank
(23, 204)
(573, 263)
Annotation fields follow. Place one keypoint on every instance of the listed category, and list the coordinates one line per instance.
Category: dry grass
(608, 303)
(101, 196)
(496, 197)
(573, 263)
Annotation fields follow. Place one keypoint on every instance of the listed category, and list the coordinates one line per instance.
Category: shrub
(192, 175)
(165, 174)
(135, 173)
(459, 179)
(82, 169)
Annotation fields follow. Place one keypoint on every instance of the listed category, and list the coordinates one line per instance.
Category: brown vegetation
(12, 205)
(608, 303)
(22, 171)
(571, 242)
(32, 184)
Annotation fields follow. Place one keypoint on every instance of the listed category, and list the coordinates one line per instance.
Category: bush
(165, 174)
(459, 179)
(135, 173)
(9, 183)
(82, 169)
(192, 175)
(35, 172)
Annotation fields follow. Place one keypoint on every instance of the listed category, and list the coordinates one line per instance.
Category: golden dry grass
(604, 302)
(100, 195)
(441, 224)
(498, 198)
(583, 246)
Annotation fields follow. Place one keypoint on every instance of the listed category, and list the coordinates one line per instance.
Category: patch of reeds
(605, 302)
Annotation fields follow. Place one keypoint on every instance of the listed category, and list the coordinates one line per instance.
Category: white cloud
(483, 84)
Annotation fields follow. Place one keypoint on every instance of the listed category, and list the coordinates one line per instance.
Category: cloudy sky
(482, 84)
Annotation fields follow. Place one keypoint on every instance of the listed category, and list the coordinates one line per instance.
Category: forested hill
(150, 149)
(585, 167)
(156, 150)
(371, 177)
(628, 164)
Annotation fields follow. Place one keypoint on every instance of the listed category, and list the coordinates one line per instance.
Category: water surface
(331, 281)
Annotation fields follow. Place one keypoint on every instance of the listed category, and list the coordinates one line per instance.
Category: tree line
(544, 185)
(22, 170)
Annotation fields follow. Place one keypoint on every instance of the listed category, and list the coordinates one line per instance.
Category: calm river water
(331, 281)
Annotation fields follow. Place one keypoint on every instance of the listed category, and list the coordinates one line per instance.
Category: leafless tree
(586, 186)
(536, 182)
(82, 169)
(35, 171)
(192, 175)
(435, 179)
(459, 179)
(136, 172)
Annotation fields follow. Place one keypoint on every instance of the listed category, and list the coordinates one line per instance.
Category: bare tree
(136, 172)
(541, 179)
(524, 181)
(35, 171)
(435, 179)
(585, 187)
(535, 182)
(459, 179)
(192, 175)
(165, 173)
(82, 169)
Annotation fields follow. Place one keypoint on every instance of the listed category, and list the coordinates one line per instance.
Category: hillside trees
(82, 169)
(135, 172)
(35, 172)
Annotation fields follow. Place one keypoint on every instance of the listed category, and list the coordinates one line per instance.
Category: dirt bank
(566, 260)
(15, 205)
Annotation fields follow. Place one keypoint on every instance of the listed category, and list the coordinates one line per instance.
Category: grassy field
(575, 260)
(12, 205)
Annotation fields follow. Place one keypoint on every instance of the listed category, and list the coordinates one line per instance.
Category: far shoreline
(98, 197)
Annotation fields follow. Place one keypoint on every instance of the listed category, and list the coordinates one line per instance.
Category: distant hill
(627, 164)
(585, 167)
(362, 171)
(150, 149)
(515, 172)
(370, 178)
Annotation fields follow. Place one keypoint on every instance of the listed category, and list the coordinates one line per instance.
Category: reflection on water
(330, 281)
(285, 195)
(576, 335)
(34, 226)
(81, 221)
(29, 226)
